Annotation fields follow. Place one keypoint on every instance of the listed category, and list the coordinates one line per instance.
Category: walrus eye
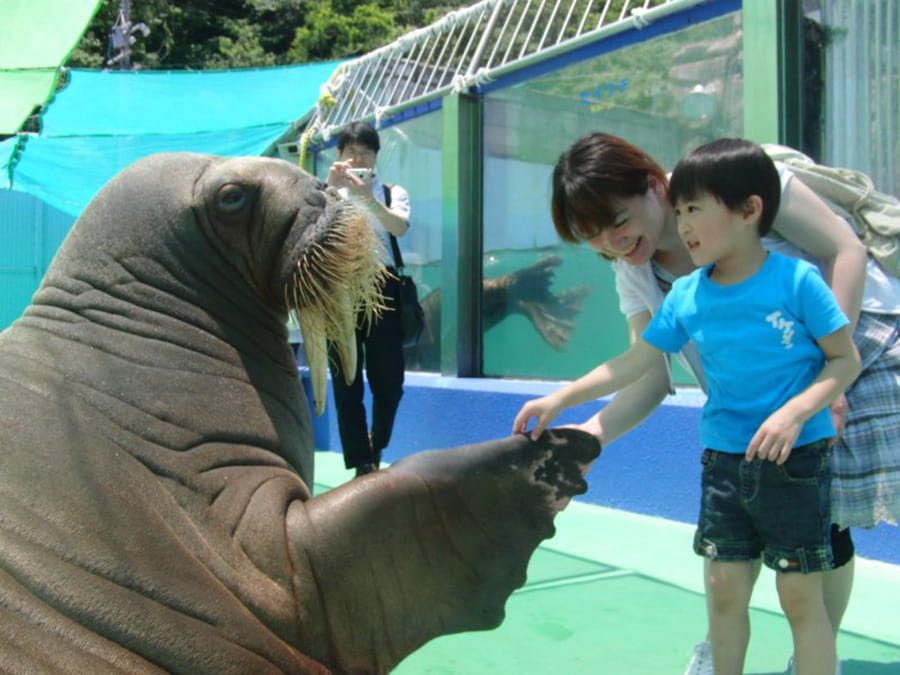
(231, 199)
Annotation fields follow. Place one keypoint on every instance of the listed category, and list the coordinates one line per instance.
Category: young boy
(776, 351)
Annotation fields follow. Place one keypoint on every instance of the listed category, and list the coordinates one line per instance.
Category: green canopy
(20, 92)
(36, 38)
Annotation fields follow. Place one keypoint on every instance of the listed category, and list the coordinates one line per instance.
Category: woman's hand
(839, 410)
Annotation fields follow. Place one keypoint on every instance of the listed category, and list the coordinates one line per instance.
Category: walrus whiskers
(337, 276)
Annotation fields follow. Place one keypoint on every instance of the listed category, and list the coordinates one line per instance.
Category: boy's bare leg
(802, 599)
(838, 583)
(728, 589)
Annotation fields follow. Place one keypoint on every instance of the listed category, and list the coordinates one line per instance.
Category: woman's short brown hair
(593, 172)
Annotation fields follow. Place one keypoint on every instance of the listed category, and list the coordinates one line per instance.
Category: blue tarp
(67, 172)
(102, 121)
(7, 153)
(125, 103)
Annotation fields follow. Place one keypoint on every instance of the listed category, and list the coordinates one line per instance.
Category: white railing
(467, 48)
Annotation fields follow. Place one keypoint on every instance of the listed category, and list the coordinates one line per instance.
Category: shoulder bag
(412, 316)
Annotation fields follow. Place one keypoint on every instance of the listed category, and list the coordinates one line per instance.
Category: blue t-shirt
(757, 342)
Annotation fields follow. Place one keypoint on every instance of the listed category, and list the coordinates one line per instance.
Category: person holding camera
(379, 344)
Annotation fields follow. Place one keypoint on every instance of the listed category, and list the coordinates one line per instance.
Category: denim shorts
(758, 508)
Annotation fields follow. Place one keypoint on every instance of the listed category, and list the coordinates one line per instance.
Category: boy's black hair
(731, 170)
(359, 133)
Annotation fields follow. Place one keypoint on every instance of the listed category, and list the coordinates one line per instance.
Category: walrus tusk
(317, 328)
(316, 345)
(338, 278)
(346, 344)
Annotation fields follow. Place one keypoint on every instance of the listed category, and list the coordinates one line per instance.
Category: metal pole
(122, 36)
(125, 9)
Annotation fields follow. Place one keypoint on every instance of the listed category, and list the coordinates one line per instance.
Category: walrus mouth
(337, 278)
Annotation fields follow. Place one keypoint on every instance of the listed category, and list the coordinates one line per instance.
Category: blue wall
(653, 470)
(31, 232)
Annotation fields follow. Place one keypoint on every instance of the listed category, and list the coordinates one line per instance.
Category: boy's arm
(605, 379)
(776, 437)
(632, 404)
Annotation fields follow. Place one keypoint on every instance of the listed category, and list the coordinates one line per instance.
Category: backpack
(875, 216)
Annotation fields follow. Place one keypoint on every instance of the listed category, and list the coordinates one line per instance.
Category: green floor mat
(616, 594)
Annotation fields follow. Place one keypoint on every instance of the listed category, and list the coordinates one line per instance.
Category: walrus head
(191, 264)
(313, 254)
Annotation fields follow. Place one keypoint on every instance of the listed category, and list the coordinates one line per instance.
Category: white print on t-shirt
(785, 326)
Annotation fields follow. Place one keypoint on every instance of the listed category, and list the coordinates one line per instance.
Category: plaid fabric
(866, 462)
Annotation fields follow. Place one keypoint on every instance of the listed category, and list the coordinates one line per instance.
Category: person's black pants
(379, 347)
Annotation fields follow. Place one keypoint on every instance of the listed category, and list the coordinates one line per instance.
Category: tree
(332, 32)
(201, 34)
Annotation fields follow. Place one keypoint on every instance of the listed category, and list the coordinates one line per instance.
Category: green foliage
(202, 34)
(241, 48)
(331, 32)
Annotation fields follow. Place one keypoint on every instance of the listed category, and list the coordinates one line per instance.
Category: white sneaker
(701, 662)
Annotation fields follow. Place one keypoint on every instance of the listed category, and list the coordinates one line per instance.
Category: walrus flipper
(433, 545)
(527, 291)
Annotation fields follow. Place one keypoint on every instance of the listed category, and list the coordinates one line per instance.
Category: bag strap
(398, 258)
(395, 247)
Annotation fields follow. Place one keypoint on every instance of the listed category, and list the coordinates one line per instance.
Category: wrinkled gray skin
(156, 448)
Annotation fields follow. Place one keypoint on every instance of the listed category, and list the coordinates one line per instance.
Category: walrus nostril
(316, 199)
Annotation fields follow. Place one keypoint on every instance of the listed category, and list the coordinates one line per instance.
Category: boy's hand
(544, 410)
(775, 438)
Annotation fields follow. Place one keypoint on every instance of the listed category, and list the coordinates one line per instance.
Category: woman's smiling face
(636, 229)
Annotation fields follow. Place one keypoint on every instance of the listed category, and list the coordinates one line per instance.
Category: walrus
(156, 449)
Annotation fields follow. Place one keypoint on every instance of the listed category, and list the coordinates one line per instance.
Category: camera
(362, 174)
